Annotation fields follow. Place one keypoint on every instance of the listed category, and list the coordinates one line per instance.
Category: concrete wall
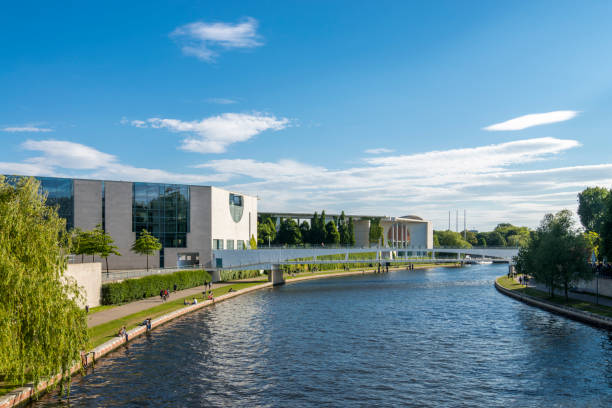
(88, 276)
(199, 237)
(118, 212)
(362, 233)
(605, 286)
(421, 232)
(87, 204)
(223, 225)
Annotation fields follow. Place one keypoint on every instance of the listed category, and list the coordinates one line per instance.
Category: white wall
(89, 277)
(223, 225)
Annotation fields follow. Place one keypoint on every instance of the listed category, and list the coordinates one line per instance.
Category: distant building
(409, 231)
(188, 220)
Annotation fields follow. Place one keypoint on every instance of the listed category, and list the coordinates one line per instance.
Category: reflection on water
(438, 337)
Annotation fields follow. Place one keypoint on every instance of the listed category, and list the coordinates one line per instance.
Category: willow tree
(146, 244)
(42, 327)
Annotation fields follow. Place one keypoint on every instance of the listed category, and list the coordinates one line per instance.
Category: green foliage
(289, 233)
(376, 231)
(343, 230)
(266, 231)
(253, 242)
(133, 289)
(470, 237)
(592, 203)
(42, 328)
(332, 236)
(236, 275)
(605, 236)
(557, 254)
(513, 236)
(146, 244)
(592, 239)
(305, 231)
(351, 232)
(451, 239)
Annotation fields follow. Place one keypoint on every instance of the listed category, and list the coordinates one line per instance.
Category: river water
(436, 337)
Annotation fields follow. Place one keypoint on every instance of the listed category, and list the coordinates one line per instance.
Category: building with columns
(409, 231)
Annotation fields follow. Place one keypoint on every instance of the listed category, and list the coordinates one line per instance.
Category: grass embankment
(104, 332)
(514, 286)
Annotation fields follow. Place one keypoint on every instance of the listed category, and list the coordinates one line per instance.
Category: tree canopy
(450, 239)
(557, 254)
(592, 203)
(42, 328)
(146, 244)
(331, 233)
(266, 231)
(289, 232)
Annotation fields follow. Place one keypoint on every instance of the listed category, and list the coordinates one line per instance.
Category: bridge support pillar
(216, 275)
(276, 275)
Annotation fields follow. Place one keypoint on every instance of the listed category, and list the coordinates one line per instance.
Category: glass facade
(163, 210)
(236, 206)
(60, 193)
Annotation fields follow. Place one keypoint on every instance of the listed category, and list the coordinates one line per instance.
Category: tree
(605, 236)
(145, 244)
(557, 254)
(331, 233)
(42, 327)
(513, 236)
(351, 232)
(253, 242)
(592, 239)
(376, 231)
(343, 230)
(266, 231)
(102, 244)
(289, 233)
(305, 231)
(592, 203)
(494, 238)
(451, 239)
(470, 237)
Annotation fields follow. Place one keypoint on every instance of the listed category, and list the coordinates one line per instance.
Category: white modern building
(188, 220)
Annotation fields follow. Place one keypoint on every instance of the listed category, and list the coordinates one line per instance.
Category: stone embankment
(570, 312)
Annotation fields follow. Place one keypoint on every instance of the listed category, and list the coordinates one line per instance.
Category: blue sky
(386, 107)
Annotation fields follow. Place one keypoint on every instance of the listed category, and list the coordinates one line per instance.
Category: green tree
(289, 233)
(305, 231)
(557, 254)
(103, 244)
(470, 237)
(605, 236)
(376, 231)
(451, 239)
(266, 231)
(592, 239)
(42, 327)
(331, 233)
(145, 244)
(253, 242)
(351, 232)
(494, 238)
(513, 236)
(343, 230)
(592, 203)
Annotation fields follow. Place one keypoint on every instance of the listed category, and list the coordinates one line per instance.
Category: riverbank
(586, 312)
(104, 339)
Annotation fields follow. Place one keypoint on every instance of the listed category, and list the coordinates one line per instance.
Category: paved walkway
(572, 295)
(108, 315)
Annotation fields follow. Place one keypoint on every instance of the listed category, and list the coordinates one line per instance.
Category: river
(434, 337)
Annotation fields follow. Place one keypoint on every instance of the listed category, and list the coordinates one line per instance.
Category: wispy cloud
(214, 134)
(379, 150)
(534, 119)
(26, 128)
(68, 159)
(203, 40)
(222, 101)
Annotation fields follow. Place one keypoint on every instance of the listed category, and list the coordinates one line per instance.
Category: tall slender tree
(145, 244)
(103, 244)
(351, 232)
(332, 235)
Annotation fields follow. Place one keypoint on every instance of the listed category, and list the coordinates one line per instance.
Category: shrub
(132, 289)
(235, 275)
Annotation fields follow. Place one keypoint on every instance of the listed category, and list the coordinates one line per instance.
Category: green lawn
(512, 285)
(104, 332)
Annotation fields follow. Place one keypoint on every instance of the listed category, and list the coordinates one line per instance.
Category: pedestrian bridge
(264, 258)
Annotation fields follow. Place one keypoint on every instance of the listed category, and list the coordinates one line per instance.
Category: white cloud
(68, 155)
(214, 134)
(222, 101)
(379, 150)
(534, 119)
(26, 128)
(201, 40)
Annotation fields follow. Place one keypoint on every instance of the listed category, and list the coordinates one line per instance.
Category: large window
(217, 244)
(236, 206)
(163, 210)
(60, 193)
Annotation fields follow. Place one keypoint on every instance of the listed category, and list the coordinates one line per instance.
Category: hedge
(133, 289)
(235, 275)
